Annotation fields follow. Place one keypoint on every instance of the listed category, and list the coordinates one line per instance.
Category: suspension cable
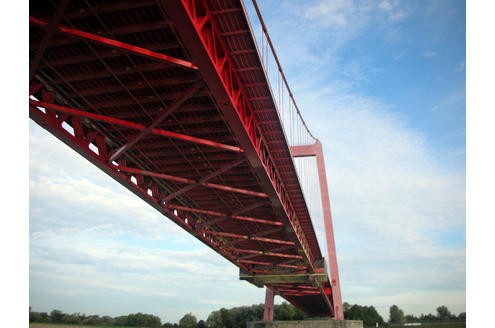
(268, 39)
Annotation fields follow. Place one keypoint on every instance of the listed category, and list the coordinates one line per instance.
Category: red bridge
(172, 99)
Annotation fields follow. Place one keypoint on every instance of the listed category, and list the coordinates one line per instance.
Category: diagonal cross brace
(203, 181)
(49, 33)
(174, 106)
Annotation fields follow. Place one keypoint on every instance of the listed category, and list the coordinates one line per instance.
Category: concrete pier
(312, 323)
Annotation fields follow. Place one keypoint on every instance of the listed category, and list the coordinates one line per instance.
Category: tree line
(224, 318)
(443, 315)
(237, 317)
(370, 316)
(130, 320)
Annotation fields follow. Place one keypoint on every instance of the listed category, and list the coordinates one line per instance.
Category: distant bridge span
(172, 99)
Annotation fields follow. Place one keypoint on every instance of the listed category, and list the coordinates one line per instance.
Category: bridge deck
(171, 100)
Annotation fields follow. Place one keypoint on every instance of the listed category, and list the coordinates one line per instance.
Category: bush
(70, 319)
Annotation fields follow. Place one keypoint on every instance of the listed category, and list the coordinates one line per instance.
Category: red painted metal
(226, 216)
(132, 125)
(196, 22)
(317, 151)
(209, 177)
(270, 264)
(119, 83)
(178, 102)
(268, 308)
(256, 252)
(247, 237)
(35, 87)
(189, 181)
(116, 44)
(50, 31)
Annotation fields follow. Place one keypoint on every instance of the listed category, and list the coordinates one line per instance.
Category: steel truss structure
(170, 99)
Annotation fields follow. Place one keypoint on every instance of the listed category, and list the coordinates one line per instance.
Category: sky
(382, 84)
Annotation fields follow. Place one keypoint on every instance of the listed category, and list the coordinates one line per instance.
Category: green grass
(437, 325)
(52, 325)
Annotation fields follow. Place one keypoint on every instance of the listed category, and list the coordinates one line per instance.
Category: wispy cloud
(429, 54)
(335, 14)
(355, 71)
(392, 201)
(396, 10)
(351, 17)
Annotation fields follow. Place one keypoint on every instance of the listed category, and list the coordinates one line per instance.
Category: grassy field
(437, 325)
(432, 325)
(51, 325)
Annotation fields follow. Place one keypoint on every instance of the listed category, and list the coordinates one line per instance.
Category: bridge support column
(317, 151)
(269, 299)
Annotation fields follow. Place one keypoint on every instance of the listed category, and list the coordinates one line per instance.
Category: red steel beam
(132, 125)
(214, 213)
(302, 291)
(317, 151)
(169, 110)
(267, 253)
(207, 178)
(49, 32)
(109, 7)
(190, 181)
(298, 286)
(246, 237)
(35, 87)
(258, 234)
(270, 264)
(299, 294)
(242, 210)
(116, 44)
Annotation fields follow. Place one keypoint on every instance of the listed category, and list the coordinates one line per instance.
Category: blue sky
(382, 85)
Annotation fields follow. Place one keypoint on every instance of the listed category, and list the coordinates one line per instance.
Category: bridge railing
(295, 128)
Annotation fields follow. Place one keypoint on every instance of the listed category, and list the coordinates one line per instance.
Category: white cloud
(429, 54)
(352, 17)
(94, 198)
(399, 216)
(355, 71)
(337, 14)
(91, 238)
(396, 10)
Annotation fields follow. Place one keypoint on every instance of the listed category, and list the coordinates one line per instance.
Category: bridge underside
(171, 100)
